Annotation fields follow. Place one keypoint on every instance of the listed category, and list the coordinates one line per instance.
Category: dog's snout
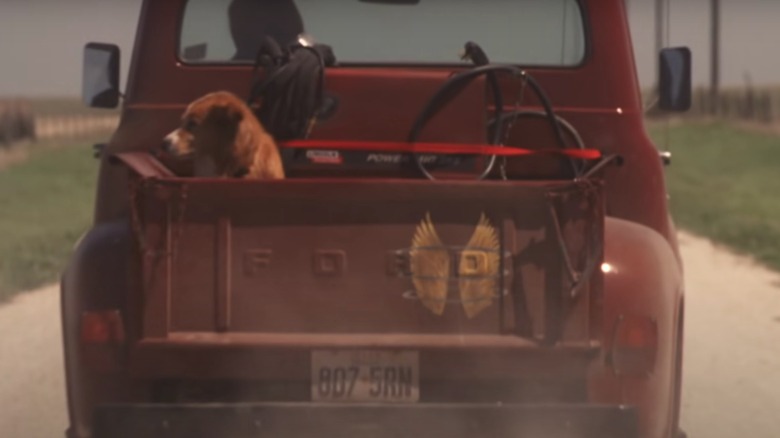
(169, 142)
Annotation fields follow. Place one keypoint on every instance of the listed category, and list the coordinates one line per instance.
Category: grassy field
(66, 106)
(45, 205)
(724, 183)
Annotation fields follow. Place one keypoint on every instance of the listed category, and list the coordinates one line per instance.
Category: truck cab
(471, 245)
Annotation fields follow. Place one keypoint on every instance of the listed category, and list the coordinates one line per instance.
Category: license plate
(365, 376)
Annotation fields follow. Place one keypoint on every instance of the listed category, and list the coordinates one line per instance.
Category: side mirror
(674, 79)
(100, 75)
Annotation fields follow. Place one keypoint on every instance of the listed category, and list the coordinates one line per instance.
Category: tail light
(635, 346)
(102, 338)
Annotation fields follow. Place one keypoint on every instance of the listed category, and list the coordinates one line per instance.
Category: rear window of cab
(548, 33)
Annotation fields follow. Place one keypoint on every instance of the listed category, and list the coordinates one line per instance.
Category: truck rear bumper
(294, 420)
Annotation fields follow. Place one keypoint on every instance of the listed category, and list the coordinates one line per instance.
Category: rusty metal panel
(223, 264)
(143, 164)
(286, 357)
(335, 256)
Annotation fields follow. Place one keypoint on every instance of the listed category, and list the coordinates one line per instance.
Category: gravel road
(732, 362)
(32, 390)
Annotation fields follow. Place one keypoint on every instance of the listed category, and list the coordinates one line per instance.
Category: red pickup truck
(463, 246)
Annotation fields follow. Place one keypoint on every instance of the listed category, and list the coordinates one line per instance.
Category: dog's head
(209, 123)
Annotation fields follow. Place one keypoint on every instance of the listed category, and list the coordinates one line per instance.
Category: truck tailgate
(330, 256)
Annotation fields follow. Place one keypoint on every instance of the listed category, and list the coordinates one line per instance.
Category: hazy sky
(41, 41)
(749, 36)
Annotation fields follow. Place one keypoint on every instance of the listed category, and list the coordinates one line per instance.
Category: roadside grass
(45, 205)
(65, 106)
(724, 183)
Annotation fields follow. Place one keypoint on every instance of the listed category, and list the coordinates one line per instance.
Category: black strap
(290, 93)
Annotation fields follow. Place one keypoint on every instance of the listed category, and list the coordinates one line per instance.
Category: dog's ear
(226, 113)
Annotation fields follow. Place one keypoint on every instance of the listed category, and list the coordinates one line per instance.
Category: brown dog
(225, 140)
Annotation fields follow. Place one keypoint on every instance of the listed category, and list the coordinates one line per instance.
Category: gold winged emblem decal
(430, 266)
(477, 268)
